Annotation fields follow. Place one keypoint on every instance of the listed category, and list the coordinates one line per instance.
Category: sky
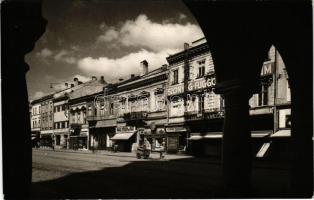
(106, 38)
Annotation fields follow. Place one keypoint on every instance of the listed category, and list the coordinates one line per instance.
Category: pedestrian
(162, 149)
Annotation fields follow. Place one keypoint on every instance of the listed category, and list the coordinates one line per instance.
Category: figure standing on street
(162, 149)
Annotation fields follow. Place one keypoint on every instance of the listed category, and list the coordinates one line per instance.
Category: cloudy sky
(106, 38)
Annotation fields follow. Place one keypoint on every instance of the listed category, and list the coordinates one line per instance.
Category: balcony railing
(142, 115)
(100, 117)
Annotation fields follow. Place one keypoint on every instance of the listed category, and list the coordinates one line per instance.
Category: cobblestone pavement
(76, 174)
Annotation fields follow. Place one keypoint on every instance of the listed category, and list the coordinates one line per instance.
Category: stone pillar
(236, 148)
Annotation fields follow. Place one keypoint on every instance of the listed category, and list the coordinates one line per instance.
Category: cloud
(124, 66)
(144, 33)
(45, 52)
(108, 36)
(64, 56)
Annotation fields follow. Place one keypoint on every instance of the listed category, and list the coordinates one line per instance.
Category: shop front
(46, 138)
(100, 134)
(177, 138)
(78, 138)
(124, 138)
(61, 138)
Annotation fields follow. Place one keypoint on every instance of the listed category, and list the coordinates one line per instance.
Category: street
(120, 175)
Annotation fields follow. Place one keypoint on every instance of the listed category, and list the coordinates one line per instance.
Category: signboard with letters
(193, 85)
(267, 69)
(121, 129)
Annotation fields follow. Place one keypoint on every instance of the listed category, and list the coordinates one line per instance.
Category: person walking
(162, 149)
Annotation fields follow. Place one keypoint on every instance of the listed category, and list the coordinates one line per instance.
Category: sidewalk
(153, 155)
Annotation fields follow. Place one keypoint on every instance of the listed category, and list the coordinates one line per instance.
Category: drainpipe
(275, 94)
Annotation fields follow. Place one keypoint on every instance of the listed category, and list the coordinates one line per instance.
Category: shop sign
(125, 129)
(178, 89)
(201, 83)
(215, 115)
(267, 69)
(176, 129)
(193, 85)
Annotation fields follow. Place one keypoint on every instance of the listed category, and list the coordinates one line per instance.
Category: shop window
(175, 77)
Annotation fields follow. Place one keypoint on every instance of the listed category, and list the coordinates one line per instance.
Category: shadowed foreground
(179, 178)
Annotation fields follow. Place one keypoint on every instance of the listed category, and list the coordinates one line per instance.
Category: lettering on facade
(176, 129)
(123, 129)
(267, 69)
(193, 85)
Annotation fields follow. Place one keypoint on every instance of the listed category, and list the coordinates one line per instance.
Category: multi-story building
(196, 113)
(127, 110)
(78, 99)
(35, 115)
(46, 130)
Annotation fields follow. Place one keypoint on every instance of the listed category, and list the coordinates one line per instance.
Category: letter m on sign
(267, 69)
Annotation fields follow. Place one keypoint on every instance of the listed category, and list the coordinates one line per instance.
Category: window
(55, 109)
(66, 125)
(263, 95)
(39, 122)
(175, 77)
(56, 125)
(201, 69)
(89, 111)
(111, 109)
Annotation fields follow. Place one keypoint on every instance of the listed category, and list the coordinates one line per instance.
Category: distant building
(46, 131)
(35, 115)
(78, 98)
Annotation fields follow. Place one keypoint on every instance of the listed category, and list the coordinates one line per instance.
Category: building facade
(78, 99)
(35, 115)
(46, 130)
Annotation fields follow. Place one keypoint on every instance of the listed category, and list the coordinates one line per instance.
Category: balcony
(98, 118)
(194, 115)
(133, 116)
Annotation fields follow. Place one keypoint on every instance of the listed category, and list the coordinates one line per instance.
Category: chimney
(164, 66)
(72, 85)
(94, 78)
(144, 66)
(76, 81)
(186, 46)
(132, 75)
(102, 80)
(66, 85)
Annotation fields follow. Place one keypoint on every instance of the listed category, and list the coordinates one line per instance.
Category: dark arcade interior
(239, 34)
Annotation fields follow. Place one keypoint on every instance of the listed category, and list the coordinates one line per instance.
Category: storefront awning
(209, 135)
(281, 133)
(106, 123)
(215, 135)
(260, 134)
(122, 136)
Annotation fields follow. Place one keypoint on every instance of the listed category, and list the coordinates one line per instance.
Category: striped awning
(122, 136)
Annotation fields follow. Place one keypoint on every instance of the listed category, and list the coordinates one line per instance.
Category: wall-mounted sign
(178, 89)
(176, 129)
(267, 69)
(193, 85)
(201, 83)
(125, 129)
